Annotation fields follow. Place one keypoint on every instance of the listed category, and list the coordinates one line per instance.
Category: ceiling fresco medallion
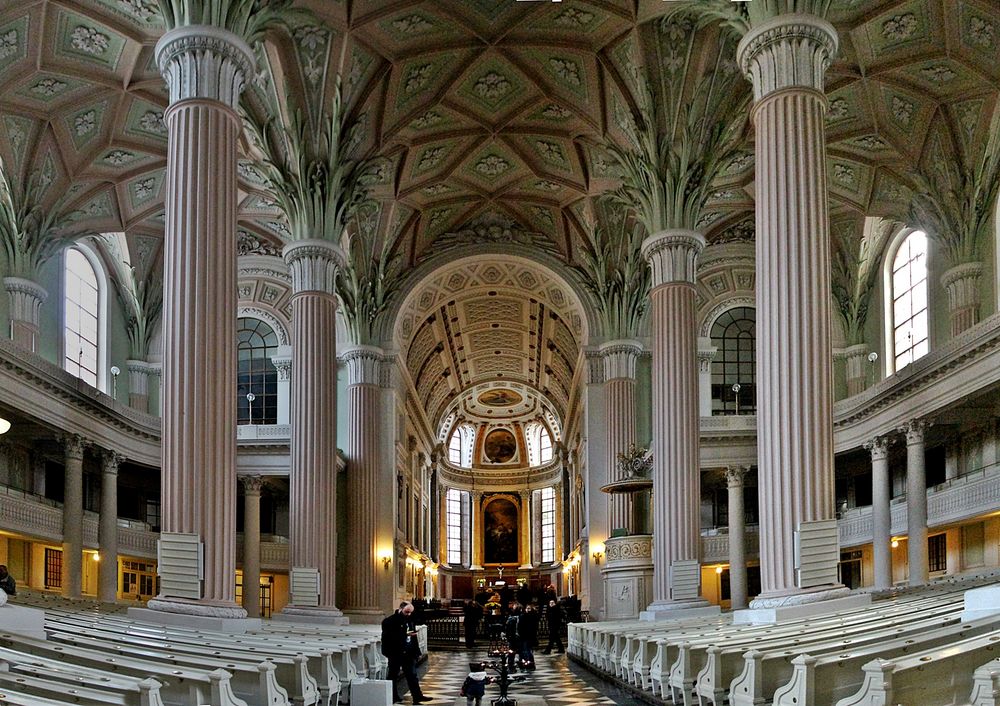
(500, 446)
(500, 398)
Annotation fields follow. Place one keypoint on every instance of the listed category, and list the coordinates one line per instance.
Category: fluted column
(881, 511)
(138, 383)
(107, 528)
(857, 379)
(786, 58)
(672, 256)
(204, 68)
(252, 486)
(477, 530)
(313, 417)
(364, 368)
(26, 299)
(735, 477)
(72, 556)
(916, 501)
(619, 399)
(963, 284)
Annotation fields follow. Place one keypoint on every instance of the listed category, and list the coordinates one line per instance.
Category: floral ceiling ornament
(90, 41)
(490, 228)
(981, 32)
(900, 27)
(144, 188)
(572, 17)
(555, 112)
(492, 86)
(49, 87)
(8, 44)
(248, 243)
(85, 123)
(938, 74)
(492, 165)
(418, 77)
(567, 70)
(152, 121)
(143, 10)
(838, 109)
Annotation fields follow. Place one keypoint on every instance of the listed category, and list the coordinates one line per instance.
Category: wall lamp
(597, 557)
(386, 561)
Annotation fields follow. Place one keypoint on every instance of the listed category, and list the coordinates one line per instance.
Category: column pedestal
(313, 472)
(786, 58)
(72, 553)
(107, 529)
(26, 299)
(204, 69)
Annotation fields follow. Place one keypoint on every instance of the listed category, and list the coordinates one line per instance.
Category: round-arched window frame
(735, 363)
(256, 375)
(907, 304)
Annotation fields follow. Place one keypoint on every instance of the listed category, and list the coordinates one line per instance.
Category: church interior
(688, 310)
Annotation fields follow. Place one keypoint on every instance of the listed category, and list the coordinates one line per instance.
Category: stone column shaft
(204, 68)
(107, 529)
(252, 486)
(313, 499)
(916, 502)
(138, 384)
(26, 299)
(72, 558)
(735, 478)
(786, 58)
(619, 399)
(364, 366)
(881, 512)
(672, 256)
(963, 284)
(857, 368)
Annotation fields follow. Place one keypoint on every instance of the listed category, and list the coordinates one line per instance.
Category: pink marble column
(672, 256)
(916, 502)
(26, 299)
(313, 418)
(619, 400)
(72, 552)
(881, 511)
(107, 528)
(204, 68)
(252, 486)
(364, 391)
(786, 58)
(735, 477)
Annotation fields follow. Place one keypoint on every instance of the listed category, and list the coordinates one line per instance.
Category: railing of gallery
(449, 630)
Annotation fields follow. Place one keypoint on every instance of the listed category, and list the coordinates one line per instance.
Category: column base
(679, 610)
(364, 616)
(307, 614)
(159, 616)
(793, 611)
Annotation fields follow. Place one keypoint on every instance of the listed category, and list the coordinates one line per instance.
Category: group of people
(7, 583)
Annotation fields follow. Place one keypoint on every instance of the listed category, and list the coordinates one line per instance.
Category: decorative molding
(364, 365)
(620, 358)
(26, 299)
(205, 62)
(252, 484)
(879, 447)
(276, 323)
(314, 265)
(628, 548)
(736, 476)
(914, 431)
(721, 308)
(787, 51)
(673, 255)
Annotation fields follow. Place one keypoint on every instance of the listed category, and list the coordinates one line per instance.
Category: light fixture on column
(97, 556)
(386, 558)
(872, 357)
(736, 390)
(895, 543)
(718, 569)
(250, 398)
(4, 426)
(597, 557)
(115, 372)
(598, 552)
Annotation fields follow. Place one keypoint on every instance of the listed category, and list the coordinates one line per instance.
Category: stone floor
(557, 681)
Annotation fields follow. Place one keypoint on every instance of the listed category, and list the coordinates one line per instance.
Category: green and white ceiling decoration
(484, 112)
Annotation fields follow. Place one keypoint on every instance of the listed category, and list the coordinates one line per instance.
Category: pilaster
(26, 299)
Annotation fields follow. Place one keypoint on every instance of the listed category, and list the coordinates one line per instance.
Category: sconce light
(97, 556)
(718, 569)
(4, 426)
(250, 398)
(597, 557)
(115, 372)
(895, 543)
(386, 560)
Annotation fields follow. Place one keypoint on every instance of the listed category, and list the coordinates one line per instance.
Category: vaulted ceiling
(489, 120)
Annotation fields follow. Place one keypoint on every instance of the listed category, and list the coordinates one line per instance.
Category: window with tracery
(909, 300)
(735, 362)
(256, 375)
(81, 308)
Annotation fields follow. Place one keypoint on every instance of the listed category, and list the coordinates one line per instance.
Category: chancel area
(685, 313)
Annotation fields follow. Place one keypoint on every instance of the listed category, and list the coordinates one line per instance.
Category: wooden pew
(39, 683)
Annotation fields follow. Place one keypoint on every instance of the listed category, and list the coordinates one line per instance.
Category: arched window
(458, 512)
(539, 443)
(735, 362)
(83, 324)
(460, 446)
(908, 281)
(255, 373)
(548, 497)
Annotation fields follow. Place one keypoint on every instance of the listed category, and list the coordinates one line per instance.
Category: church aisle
(555, 679)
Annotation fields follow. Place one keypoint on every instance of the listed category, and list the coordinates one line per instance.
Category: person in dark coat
(473, 613)
(399, 645)
(554, 619)
(528, 629)
(7, 582)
